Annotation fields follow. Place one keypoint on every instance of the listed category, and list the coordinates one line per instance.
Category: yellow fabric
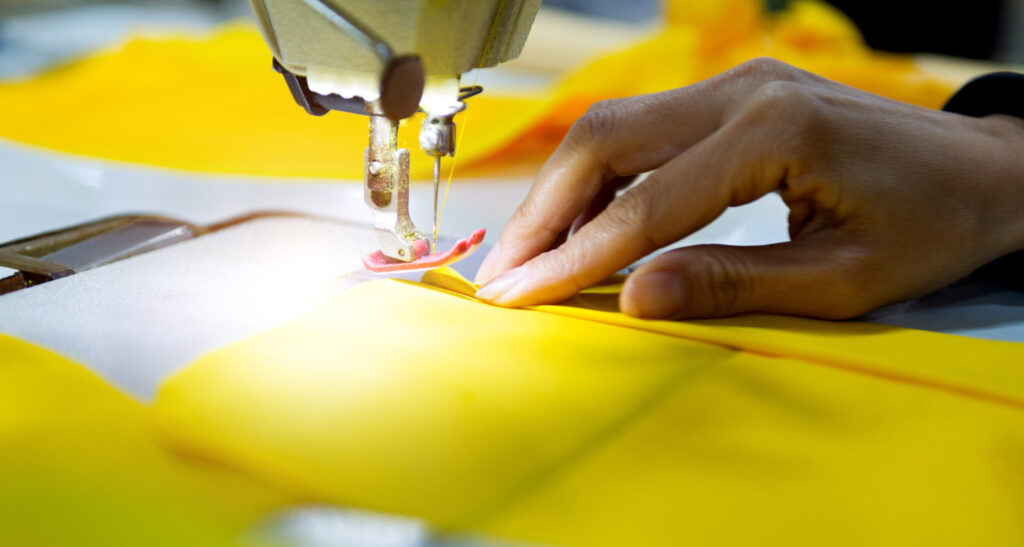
(78, 466)
(566, 424)
(212, 103)
(407, 400)
(574, 425)
(773, 451)
(976, 368)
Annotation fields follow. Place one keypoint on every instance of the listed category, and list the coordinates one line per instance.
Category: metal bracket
(315, 103)
(386, 189)
(61, 253)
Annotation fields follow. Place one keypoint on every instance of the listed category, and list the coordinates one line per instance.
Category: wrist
(1007, 182)
(997, 101)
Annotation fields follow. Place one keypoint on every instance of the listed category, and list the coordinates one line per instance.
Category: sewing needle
(437, 184)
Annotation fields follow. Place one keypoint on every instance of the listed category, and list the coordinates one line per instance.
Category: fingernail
(483, 273)
(654, 295)
(502, 289)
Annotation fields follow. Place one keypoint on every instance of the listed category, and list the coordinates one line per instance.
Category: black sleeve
(998, 93)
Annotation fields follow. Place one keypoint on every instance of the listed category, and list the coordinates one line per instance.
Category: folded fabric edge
(930, 360)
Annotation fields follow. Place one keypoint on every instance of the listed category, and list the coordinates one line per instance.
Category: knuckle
(632, 213)
(778, 97)
(570, 261)
(792, 109)
(527, 223)
(764, 69)
(595, 125)
(724, 282)
(522, 218)
(603, 105)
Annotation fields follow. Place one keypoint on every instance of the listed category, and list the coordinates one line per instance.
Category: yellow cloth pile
(212, 103)
(79, 466)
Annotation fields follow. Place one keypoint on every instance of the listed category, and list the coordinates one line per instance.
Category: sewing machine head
(389, 60)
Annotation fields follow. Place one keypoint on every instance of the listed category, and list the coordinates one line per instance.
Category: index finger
(728, 168)
(624, 138)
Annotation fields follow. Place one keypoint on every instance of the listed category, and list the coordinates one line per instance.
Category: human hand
(888, 201)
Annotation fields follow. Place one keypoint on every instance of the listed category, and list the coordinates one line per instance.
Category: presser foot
(380, 263)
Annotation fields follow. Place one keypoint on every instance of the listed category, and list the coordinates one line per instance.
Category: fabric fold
(79, 466)
(984, 369)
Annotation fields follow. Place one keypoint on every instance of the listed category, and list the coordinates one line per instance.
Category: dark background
(980, 29)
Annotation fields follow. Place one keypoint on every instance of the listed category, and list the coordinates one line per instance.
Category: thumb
(796, 278)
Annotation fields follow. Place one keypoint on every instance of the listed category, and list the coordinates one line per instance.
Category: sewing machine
(389, 60)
